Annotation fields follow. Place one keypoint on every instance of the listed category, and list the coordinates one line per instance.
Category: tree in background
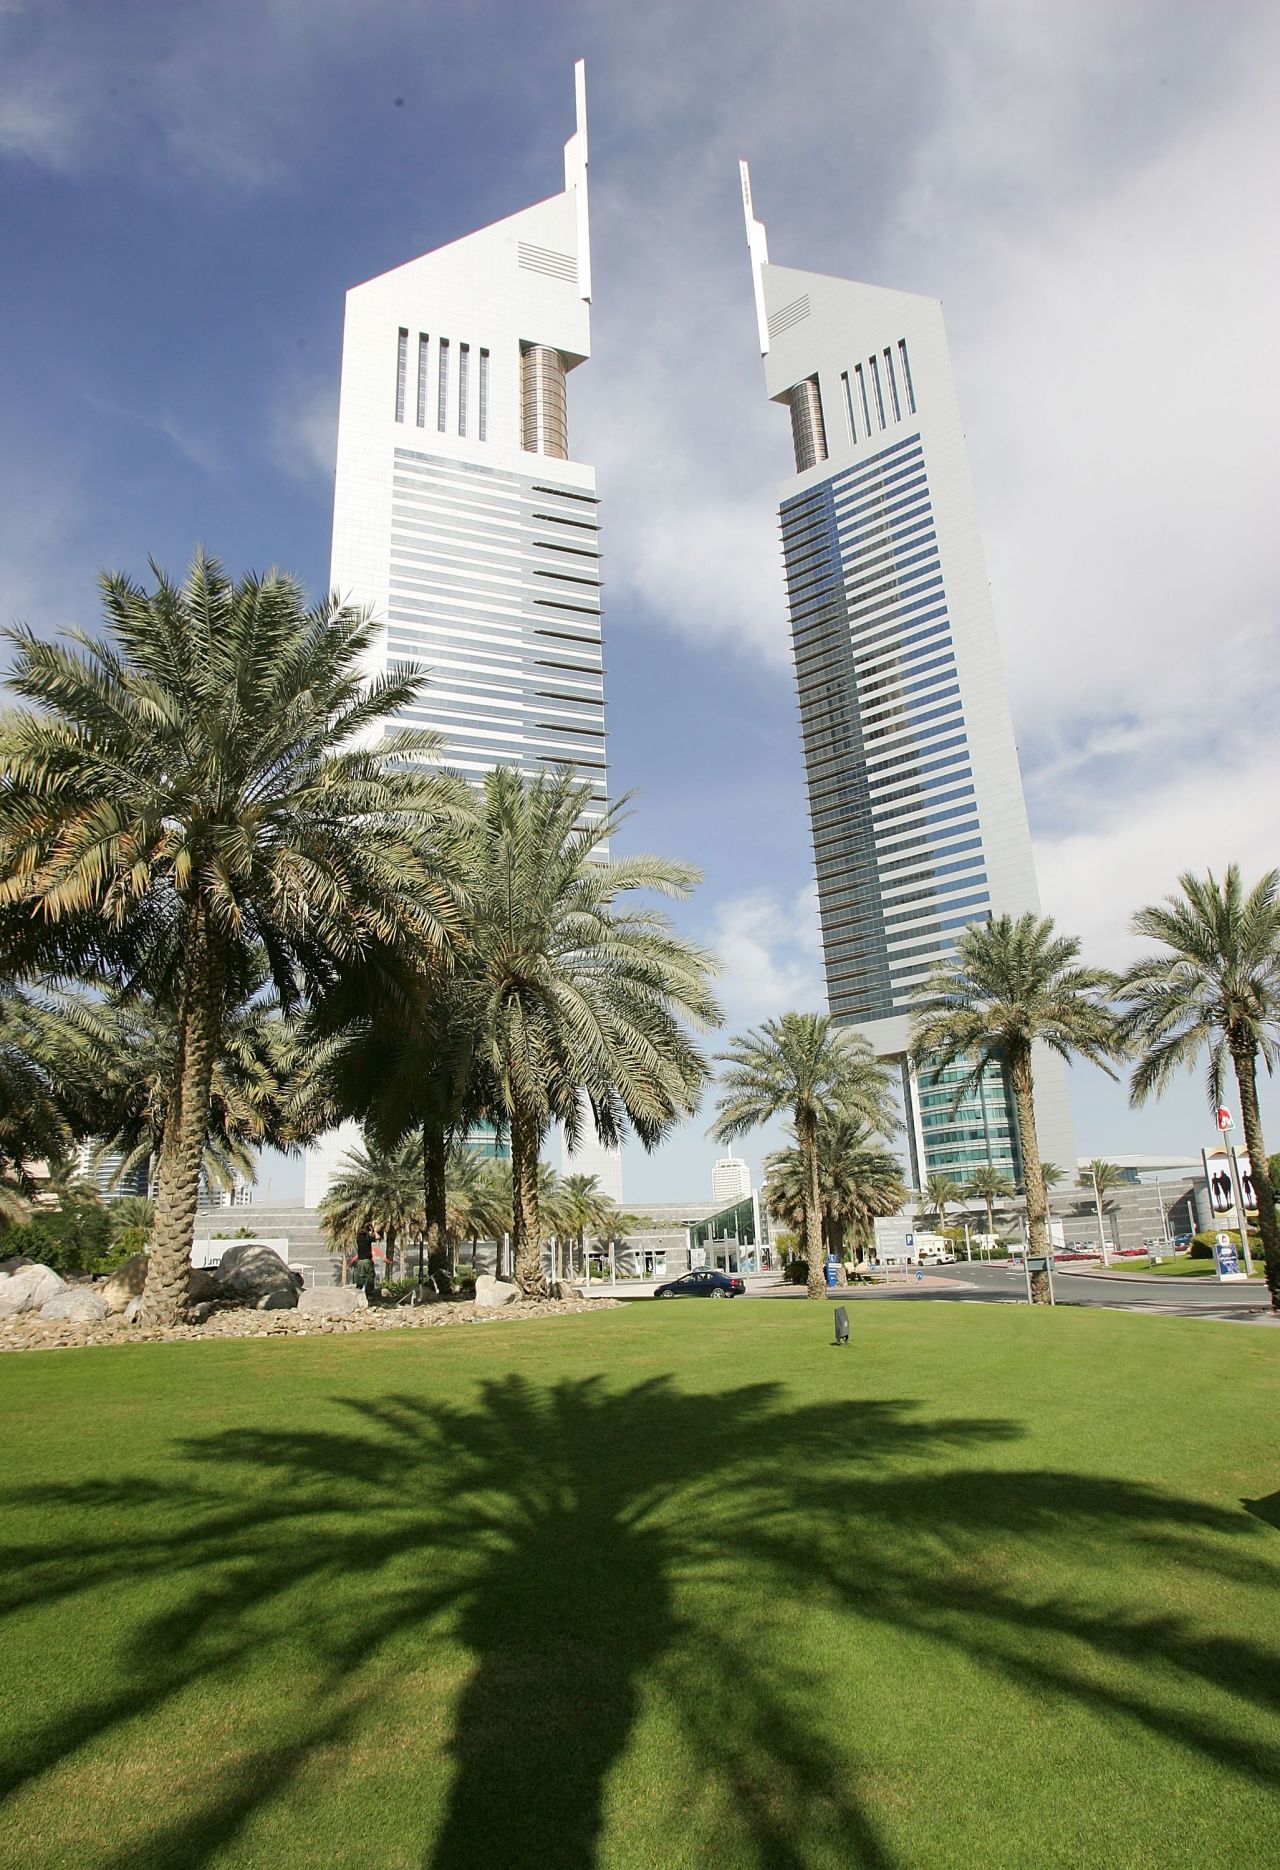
(206, 780)
(378, 1190)
(1212, 987)
(1011, 984)
(988, 1185)
(858, 1182)
(941, 1193)
(804, 1067)
(580, 1003)
(585, 1209)
(1100, 1177)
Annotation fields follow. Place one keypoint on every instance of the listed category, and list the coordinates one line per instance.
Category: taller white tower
(915, 794)
(460, 517)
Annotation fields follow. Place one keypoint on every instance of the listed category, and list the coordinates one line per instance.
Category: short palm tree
(1013, 983)
(988, 1185)
(1052, 1175)
(207, 778)
(1099, 1177)
(941, 1193)
(378, 1190)
(584, 1209)
(581, 1003)
(804, 1067)
(858, 1182)
(1212, 986)
(135, 1070)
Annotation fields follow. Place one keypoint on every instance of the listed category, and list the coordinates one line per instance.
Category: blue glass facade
(896, 839)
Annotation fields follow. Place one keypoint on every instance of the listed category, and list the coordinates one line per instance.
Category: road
(999, 1283)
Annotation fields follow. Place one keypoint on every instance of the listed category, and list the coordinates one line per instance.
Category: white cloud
(302, 427)
(771, 956)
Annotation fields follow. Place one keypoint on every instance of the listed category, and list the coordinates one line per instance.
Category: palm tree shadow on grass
(563, 1534)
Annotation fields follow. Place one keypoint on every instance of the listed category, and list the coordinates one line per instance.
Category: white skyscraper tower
(459, 516)
(730, 1180)
(915, 796)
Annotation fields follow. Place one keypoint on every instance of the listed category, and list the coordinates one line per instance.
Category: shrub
(796, 1272)
(1202, 1245)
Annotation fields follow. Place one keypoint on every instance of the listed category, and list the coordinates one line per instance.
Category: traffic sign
(1225, 1120)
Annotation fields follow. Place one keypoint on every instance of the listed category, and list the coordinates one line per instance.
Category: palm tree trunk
(991, 1220)
(434, 1209)
(807, 1137)
(1246, 1064)
(526, 1230)
(1032, 1176)
(164, 1297)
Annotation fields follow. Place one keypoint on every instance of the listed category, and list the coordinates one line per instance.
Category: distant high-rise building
(459, 515)
(730, 1179)
(915, 796)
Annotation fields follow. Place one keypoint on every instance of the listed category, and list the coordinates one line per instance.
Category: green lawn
(663, 1588)
(1187, 1268)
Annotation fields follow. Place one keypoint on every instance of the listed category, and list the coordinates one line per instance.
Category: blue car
(703, 1285)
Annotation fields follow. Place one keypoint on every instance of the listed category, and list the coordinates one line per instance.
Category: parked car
(703, 1285)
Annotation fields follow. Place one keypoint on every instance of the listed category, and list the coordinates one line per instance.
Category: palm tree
(857, 1181)
(1101, 1176)
(1213, 986)
(1014, 983)
(803, 1066)
(208, 779)
(377, 1190)
(988, 1185)
(1052, 1175)
(474, 1201)
(941, 1193)
(585, 1208)
(580, 1003)
(133, 1069)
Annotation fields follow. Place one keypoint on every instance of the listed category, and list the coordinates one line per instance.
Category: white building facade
(460, 516)
(916, 806)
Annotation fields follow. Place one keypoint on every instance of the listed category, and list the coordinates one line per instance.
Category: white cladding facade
(460, 518)
(915, 795)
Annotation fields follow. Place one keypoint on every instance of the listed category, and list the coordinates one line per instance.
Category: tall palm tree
(206, 778)
(581, 1003)
(1052, 1175)
(858, 1182)
(1013, 983)
(375, 1189)
(475, 1208)
(803, 1066)
(1101, 1176)
(1213, 986)
(585, 1209)
(988, 1185)
(941, 1193)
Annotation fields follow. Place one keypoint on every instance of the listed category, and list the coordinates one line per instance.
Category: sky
(187, 191)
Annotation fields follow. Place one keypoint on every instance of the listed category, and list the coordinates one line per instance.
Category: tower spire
(758, 247)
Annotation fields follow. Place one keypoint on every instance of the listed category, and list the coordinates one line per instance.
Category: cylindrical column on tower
(544, 410)
(808, 436)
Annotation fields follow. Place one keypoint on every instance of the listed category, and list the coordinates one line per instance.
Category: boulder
(202, 1285)
(75, 1305)
(28, 1288)
(15, 1263)
(563, 1291)
(124, 1284)
(132, 1309)
(252, 1275)
(492, 1293)
(332, 1301)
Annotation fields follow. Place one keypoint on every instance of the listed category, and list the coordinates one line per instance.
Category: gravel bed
(29, 1332)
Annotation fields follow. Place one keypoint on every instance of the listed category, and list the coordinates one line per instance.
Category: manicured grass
(1188, 1268)
(673, 1587)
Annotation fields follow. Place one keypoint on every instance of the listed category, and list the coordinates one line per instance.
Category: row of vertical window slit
(443, 353)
